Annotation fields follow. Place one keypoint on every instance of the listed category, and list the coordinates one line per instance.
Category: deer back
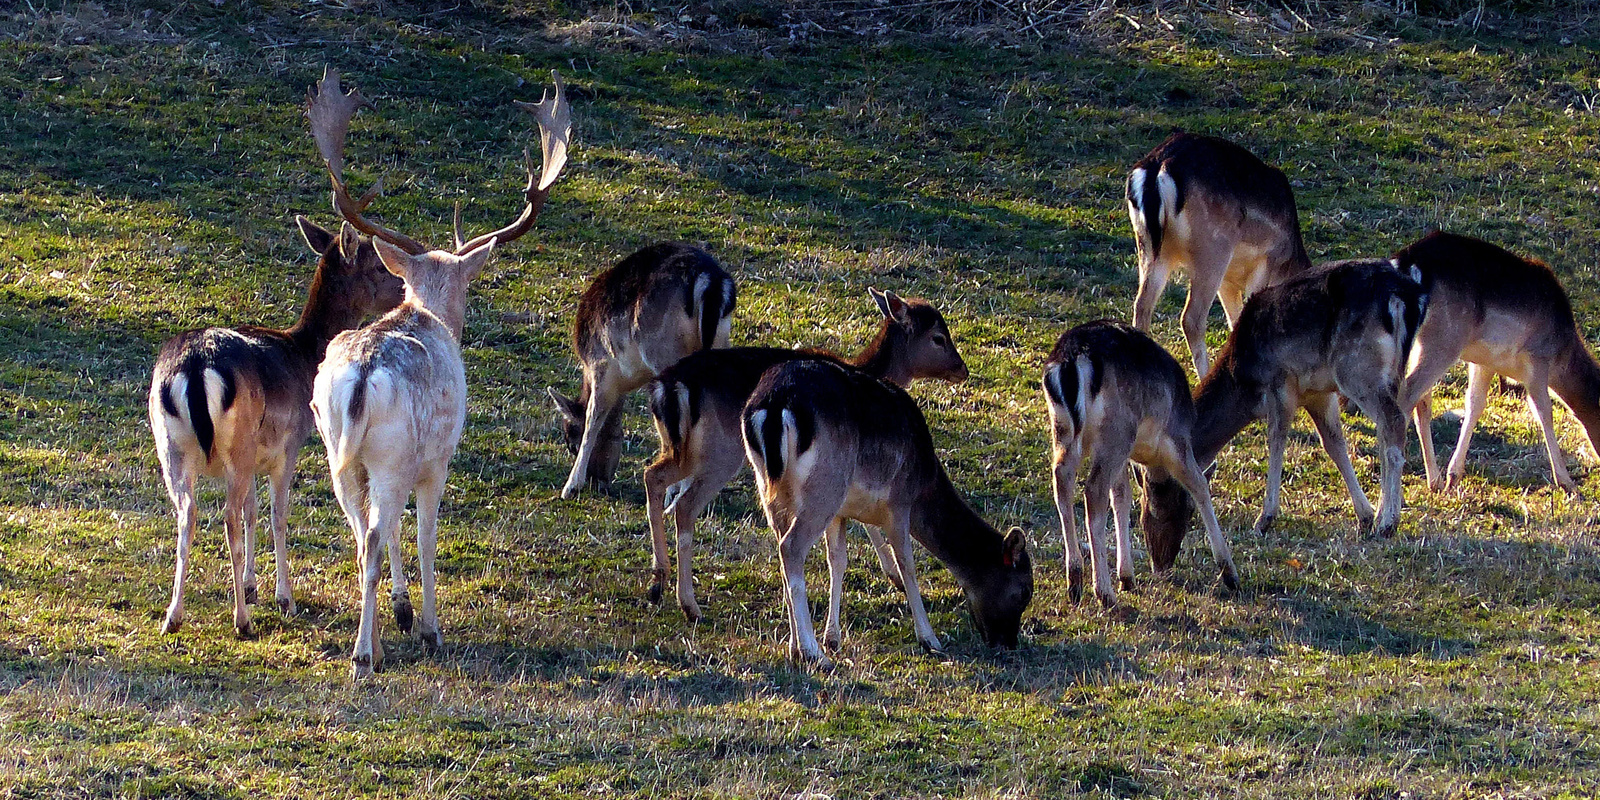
(659, 304)
(1107, 370)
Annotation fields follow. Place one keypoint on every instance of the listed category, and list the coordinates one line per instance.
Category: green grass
(152, 162)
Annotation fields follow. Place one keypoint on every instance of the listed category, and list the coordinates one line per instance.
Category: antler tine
(555, 133)
(330, 110)
(456, 227)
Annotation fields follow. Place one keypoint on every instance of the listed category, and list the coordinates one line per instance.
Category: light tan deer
(1115, 395)
(696, 404)
(1501, 314)
(829, 443)
(390, 399)
(1345, 329)
(1209, 207)
(232, 403)
(636, 319)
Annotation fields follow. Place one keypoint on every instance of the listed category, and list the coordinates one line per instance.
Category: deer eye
(939, 340)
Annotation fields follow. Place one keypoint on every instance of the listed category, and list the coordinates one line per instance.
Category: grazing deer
(232, 403)
(390, 399)
(1501, 314)
(1208, 206)
(635, 320)
(1345, 329)
(827, 443)
(1115, 395)
(697, 402)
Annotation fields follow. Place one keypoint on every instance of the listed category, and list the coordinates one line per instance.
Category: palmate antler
(330, 111)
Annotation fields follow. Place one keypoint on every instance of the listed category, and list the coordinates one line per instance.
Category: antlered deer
(829, 443)
(637, 318)
(232, 403)
(1115, 395)
(696, 404)
(1501, 314)
(1345, 330)
(390, 399)
(1208, 206)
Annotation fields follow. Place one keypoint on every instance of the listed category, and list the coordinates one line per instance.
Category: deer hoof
(432, 642)
(173, 623)
(1108, 600)
(1264, 522)
(1230, 578)
(691, 611)
(570, 491)
(830, 642)
(658, 582)
(403, 615)
(361, 668)
(1453, 482)
(252, 595)
(1127, 583)
(1075, 584)
(286, 606)
(245, 631)
(1387, 531)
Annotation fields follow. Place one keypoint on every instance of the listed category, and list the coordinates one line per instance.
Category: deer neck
(326, 314)
(954, 533)
(448, 303)
(884, 357)
(1223, 405)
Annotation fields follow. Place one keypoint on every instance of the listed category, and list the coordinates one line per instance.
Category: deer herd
(832, 438)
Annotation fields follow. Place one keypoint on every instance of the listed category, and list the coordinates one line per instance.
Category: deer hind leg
(1108, 465)
(898, 533)
(1278, 416)
(1390, 420)
(603, 397)
(1538, 393)
(1121, 513)
(386, 501)
(657, 478)
(838, 560)
(279, 481)
(1207, 269)
(804, 529)
(399, 586)
(1422, 419)
(1434, 352)
(1194, 482)
(240, 487)
(429, 489)
(708, 479)
(180, 487)
(1065, 479)
(252, 515)
(1477, 399)
(1324, 413)
(1152, 282)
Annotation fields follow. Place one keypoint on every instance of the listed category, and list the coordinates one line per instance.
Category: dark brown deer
(698, 401)
(390, 399)
(1209, 207)
(1504, 314)
(829, 443)
(1344, 330)
(1115, 395)
(232, 403)
(635, 320)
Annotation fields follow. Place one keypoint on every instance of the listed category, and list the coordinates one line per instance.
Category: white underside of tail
(330, 404)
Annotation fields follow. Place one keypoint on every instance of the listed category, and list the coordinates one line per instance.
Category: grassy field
(151, 159)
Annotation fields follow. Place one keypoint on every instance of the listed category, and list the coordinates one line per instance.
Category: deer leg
(899, 536)
(1434, 351)
(279, 480)
(1152, 282)
(1106, 466)
(429, 489)
(1205, 279)
(657, 477)
(239, 490)
(180, 487)
(702, 489)
(1278, 414)
(1422, 418)
(804, 530)
(1194, 482)
(1538, 394)
(1390, 420)
(838, 559)
(399, 586)
(1121, 513)
(1324, 413)
(252, 516)
(1477, 399)
(886, 562)
(1232, 297)
(386, 502)
(1064, 479)
(602, 398)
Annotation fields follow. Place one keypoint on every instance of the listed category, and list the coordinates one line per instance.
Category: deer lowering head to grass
(1504, 314)
(232, 403)
(390, 399)
(697, 402)
(1115, 395)
(635, 320)
(829, 443)
(1346, 329)
(1209, 207)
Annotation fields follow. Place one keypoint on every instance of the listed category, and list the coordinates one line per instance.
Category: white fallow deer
(1346, 329)
(636, 319)
(1115, 395)
(390, 399)
(696, 404)
(828, 443)
(1504, 314)
(232, 403)
(1209, 207)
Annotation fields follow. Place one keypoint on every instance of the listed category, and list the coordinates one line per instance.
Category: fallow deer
(1503, 314)
(1210, 207)
(1115, 395)
(232, 403)
(696, 404)
(390, 399)
(829, 443)
(635, 320)
(1346, 329)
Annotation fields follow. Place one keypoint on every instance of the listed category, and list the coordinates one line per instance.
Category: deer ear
(571, 409)
(394, 259)
(891, 305)
(349, 242)
(316, 236)
(1015, 547)
(472, 263)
